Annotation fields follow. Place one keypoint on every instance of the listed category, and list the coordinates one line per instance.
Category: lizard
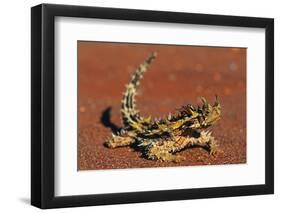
(161, 139)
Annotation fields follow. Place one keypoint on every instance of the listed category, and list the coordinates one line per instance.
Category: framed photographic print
(139, 106)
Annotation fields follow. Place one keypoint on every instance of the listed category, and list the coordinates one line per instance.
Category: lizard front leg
(207, 141)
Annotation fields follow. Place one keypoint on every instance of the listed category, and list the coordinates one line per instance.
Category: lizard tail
(130, 115)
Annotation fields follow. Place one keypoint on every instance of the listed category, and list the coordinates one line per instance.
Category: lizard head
(202, 117)
(209, 114)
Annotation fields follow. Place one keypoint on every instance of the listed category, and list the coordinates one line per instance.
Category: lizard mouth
(204, 128)
(196, 133)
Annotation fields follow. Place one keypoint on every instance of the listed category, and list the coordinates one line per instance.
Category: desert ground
(178, 76)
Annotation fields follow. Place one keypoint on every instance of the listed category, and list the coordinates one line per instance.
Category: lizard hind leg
(162, 151)
(118, 141)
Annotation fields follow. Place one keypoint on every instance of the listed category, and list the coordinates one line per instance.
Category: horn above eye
(217, 103)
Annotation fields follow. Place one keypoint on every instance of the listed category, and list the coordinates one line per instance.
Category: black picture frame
(43, 102)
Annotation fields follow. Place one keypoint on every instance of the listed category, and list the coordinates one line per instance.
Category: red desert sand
(178, 76)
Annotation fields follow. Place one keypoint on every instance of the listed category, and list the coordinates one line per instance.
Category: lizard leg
(207, 141)
(119, 141)
(162, 151)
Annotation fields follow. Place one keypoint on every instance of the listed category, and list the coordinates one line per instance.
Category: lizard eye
(200, 119)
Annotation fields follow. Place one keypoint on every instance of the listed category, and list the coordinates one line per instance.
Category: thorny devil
(160, 139)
